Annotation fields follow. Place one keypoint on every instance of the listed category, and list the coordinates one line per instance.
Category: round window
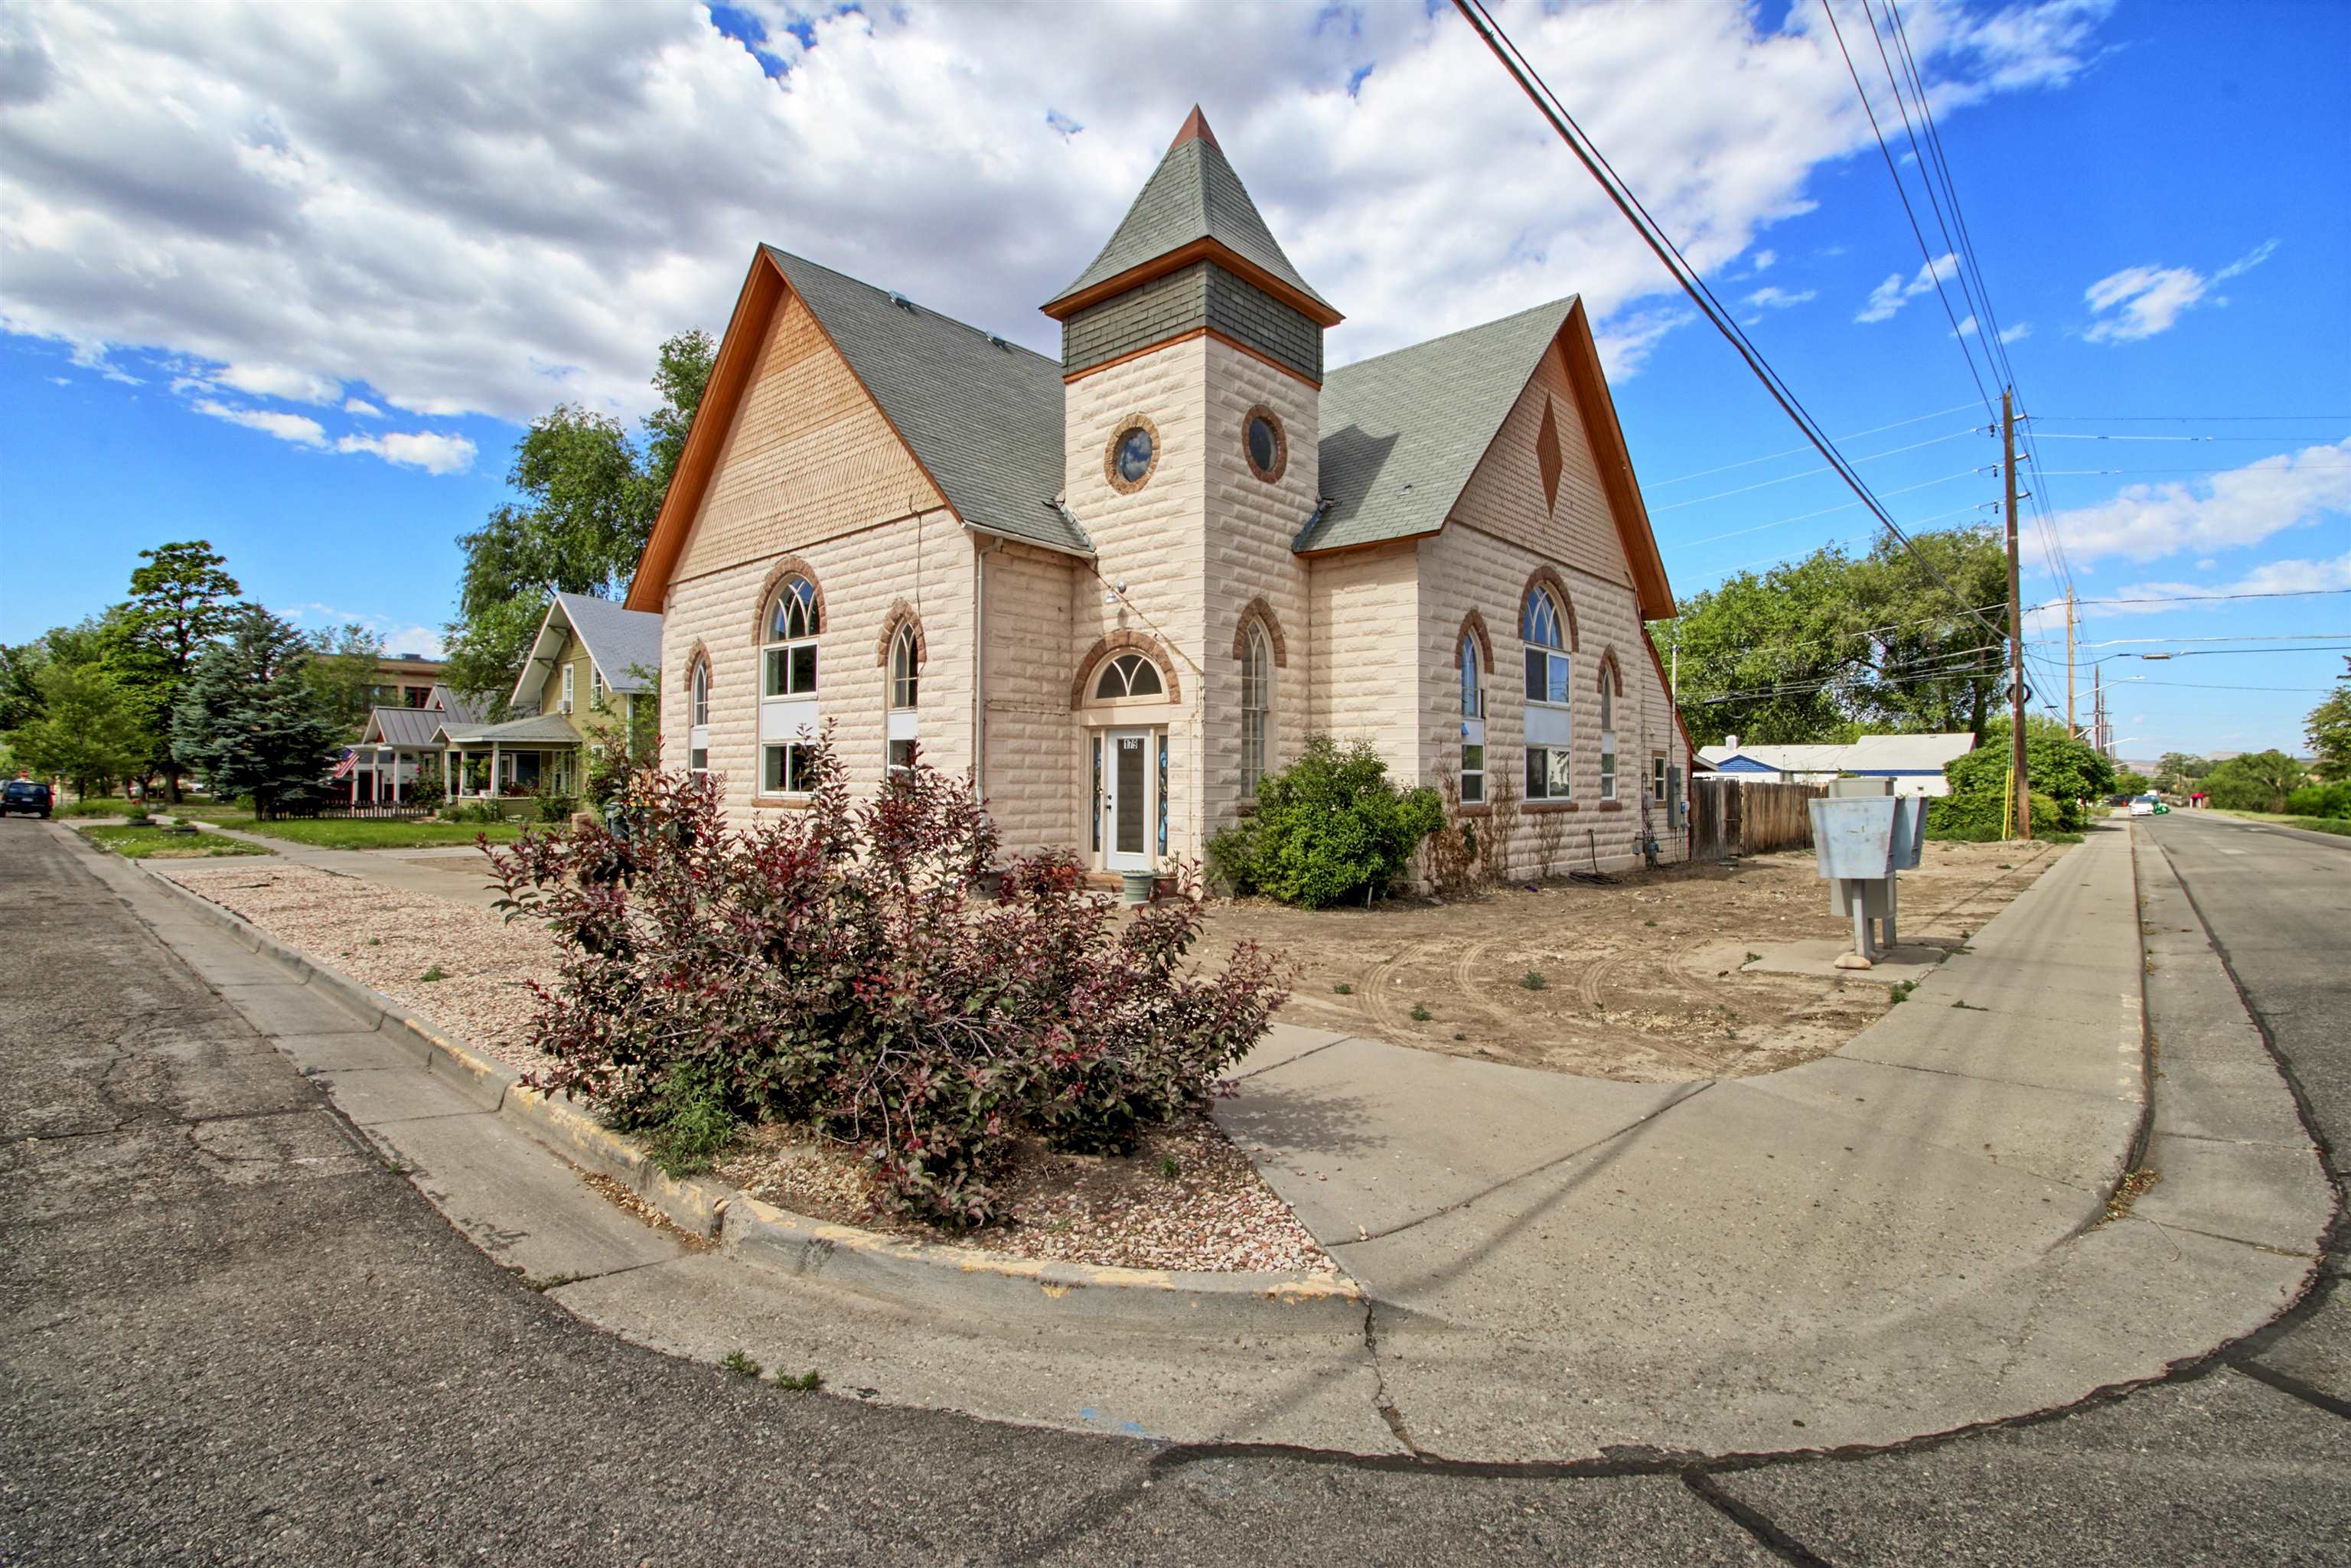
(1262, 439)
(1133, 454)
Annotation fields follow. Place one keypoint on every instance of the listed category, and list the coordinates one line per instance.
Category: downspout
(979, 667)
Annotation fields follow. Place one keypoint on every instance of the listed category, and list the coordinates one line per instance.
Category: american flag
(350, 760)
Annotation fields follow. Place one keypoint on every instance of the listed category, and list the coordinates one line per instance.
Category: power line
(2265, 440)
(1934, 273)
(2198, 598)
(1547, 103)
(1808, 473)
(1793, 451)
(1844, 506)
(2191, 418)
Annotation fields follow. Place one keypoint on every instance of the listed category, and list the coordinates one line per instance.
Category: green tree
(2129, 783)
(2178, 772)
(588, 496)
(2068, 771)
(1829, 647)
(250, 721)
(2256, 781)
(180, 600)
(342, 671)
(2328, 729)
(88, 730)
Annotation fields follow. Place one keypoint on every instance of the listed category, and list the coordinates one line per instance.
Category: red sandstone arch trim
(902, 615)
(1258, 610)
(1611, 672)
(1474, 625)
(1546, 577)
(1120, 642)
(789, 566)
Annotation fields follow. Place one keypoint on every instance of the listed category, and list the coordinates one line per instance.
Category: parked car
(27, 795)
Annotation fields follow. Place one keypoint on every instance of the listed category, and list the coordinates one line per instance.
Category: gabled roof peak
(1192, 208)
(1196, 129)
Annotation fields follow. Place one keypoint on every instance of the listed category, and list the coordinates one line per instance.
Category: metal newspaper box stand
(1859, 842)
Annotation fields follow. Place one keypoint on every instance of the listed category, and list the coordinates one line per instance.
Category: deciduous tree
(88, 730)
(2256, 781)
(2328, 729)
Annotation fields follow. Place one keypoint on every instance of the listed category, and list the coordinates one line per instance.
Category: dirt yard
(1640, 981)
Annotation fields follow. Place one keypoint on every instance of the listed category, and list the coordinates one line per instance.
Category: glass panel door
(1127, 802)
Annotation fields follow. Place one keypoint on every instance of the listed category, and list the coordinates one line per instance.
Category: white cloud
(1772, 298)
(281, 382)
(1763, 261)
(437, 219)
(2140, 301)
(358, 407)
(2022, 330)
(2292, 576)
(399, 637)
(297, 428)
(425, 449)
(1895, 292)
(2241, 507)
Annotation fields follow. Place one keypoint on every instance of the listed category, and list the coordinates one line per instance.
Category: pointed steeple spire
(1194, 125)
(1194, 207)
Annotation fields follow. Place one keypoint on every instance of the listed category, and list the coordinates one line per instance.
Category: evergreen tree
(249, 720)
(180, 600)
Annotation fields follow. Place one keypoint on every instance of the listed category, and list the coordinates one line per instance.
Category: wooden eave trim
(1368, 543)
(983, 531)
(1598, 410)
(1227, 339)
(1207, 247)
(706, 458)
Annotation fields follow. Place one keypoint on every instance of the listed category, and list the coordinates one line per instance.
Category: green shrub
(2320, 801)
(2064, 772)
(1329, 829)
(554, 808)
(1975, 817)
(688, 1125)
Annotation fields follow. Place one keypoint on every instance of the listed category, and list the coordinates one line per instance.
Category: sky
(293, 279)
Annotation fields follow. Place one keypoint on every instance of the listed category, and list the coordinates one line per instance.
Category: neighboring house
(1915, 762)
(592, 665)
(1120, 586)
(399, 741)
(405, 680)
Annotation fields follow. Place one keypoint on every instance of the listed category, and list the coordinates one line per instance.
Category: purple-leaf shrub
(836, 967)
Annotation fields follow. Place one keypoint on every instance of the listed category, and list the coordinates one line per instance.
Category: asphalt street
(230, 1333)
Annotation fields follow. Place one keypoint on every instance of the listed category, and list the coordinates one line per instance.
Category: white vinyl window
(788, 662)
(567, 689)
(899, 725)
(1257, 709)
(1607, 737)
(1549, 774)
(788, 769)
(595, 685)
(1473, 726)
(1128, 675)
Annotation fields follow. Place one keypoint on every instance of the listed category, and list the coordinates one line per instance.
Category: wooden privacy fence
(1732, 817)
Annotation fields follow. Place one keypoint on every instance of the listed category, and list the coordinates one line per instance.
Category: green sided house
(593, 664)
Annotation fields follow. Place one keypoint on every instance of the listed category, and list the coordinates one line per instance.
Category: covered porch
(523, 756)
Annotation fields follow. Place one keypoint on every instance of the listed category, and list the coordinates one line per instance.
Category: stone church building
(1120, 586)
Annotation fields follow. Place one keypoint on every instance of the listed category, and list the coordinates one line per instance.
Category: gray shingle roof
(622, 642)
(1193, 194)
(449, 702)
(983, 416)
(1403, 432)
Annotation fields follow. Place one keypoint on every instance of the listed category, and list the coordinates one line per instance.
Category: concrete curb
(919, 1274)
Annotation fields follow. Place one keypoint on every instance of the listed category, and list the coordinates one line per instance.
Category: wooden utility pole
(2071, 729)
(2015, 626)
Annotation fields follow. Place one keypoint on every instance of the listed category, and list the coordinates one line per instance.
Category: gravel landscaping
(1187, 1199)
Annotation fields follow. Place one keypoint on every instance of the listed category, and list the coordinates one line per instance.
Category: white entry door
(1128, 809)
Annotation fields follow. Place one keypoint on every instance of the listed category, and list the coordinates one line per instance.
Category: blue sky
(305, 324)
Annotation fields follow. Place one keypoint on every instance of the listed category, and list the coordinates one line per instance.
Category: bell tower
(1192, 369)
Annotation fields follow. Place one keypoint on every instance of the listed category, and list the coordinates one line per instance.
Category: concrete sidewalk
(1900, 1238)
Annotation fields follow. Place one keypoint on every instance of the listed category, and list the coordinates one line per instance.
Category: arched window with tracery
(1469, 656)
(1551, 677)
(697, 715)
(1128, 675)
(1257, 708)
(787, 687)
(905, 691)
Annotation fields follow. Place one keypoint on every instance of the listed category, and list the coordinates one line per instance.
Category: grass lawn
(154, 844)
(2310, 824)
(364, 834)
